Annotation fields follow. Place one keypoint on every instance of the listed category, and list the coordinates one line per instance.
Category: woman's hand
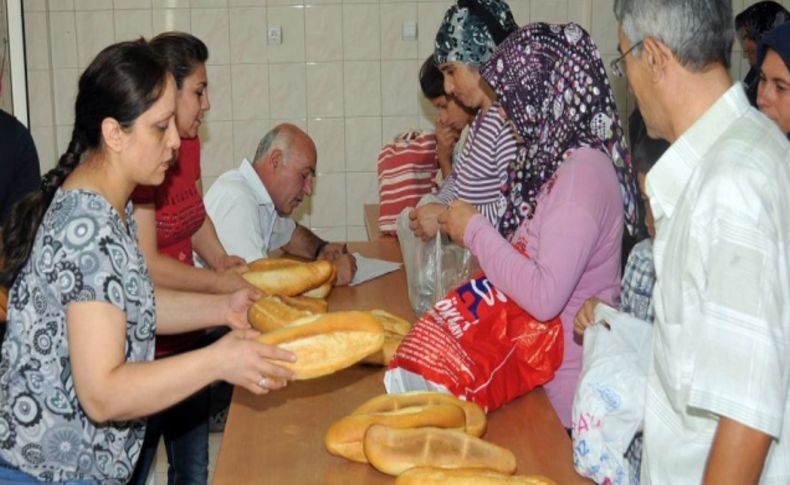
(455, 218)
(423, 221)
(243, 361)
(237, 305)
(229, 262)
(585, 316)
(229, 281)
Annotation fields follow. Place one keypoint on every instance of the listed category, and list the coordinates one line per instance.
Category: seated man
(250, 205)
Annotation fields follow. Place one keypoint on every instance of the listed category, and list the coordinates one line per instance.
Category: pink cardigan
(573, 243)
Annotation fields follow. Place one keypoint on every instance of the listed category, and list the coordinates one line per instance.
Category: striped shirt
(481, 172)
(721, 338)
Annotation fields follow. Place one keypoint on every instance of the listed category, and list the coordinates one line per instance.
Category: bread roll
(345, 437)
(475, 417)
(312, 305)
(291, 279)
(395, 328)
(271, 312)
(267, 264)
(325, 289)
(393, 451)
(466, 476)
(324, 344)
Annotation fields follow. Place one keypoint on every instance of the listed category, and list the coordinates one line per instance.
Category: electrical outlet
(275, 35)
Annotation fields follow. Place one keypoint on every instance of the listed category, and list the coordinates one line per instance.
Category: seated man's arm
(304, 243)
(737, 455)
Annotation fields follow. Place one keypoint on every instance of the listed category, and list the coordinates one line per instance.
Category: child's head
(645, 153)
(451, 112)
(466, 39)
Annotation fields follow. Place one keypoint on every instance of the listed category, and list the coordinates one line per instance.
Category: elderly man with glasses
(718, 383)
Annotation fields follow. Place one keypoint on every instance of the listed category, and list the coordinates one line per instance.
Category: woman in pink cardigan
(569, 194)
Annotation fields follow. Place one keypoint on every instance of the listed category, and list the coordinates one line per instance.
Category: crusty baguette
(267, 264)
(326, 343)
(466, 476)
(290, 280)
(344, 438)
(271, 312)
(325, 289)
(312, 305)
(393, 451)
(475, 417)
(395, 328)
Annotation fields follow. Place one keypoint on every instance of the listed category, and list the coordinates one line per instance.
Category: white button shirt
(244, 215)
(721, 341)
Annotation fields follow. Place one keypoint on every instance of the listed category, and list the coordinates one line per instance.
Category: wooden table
(279, 438)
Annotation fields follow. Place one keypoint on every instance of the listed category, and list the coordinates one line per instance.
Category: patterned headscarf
(551, 81)
(471, 30)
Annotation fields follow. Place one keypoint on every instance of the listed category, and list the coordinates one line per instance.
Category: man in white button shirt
(250, 206)
(718, 384)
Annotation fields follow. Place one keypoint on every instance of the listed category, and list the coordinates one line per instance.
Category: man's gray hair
(698, 32)
(275, 138)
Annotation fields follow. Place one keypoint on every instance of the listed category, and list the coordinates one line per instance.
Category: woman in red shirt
(172, 223)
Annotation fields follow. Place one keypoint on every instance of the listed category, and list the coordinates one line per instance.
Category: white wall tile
(63, 38)
(330, 233)
(34, 6)
(604, 26)
(250, 91)
(131, 24)
(62, 139)
(216, 147)
(303, 213)
(208, 3)
(393, 15)
(520, 11)
(363, 142)
(580, 11)
(167, 19)
(65, 93)
(131, 4)
(60, 5)
(549, 11)
(328, 134)
(322, 2)
(247, 3)
(361, 32)
(398, 80)
(39, 87)
(247, 35)
(395, 125)
(287, 91)
(329, 200)
(170, 3)
(323, 35)
(324, 89)
(366, 191)
(300, 122)
(44, 139)
(246, 136)
(357, 233)
(429, 17)
(286, 2)
(291, 19)
(362, 88)
(36, 41)
(211, 26)
(91, 5)
(94, 32)
(219, 91)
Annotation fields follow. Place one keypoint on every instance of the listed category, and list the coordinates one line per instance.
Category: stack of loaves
(424, 438)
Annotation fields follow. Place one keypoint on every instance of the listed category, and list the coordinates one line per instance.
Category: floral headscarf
(551, 81)
(471, 30)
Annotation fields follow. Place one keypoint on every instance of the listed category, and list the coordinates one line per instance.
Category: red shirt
(179, 214)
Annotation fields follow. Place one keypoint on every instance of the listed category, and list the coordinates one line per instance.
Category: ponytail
(27, 214)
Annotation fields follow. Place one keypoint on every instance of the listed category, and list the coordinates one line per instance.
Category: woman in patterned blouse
(77, 373)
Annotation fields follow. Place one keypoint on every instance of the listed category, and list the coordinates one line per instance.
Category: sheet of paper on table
(370, 268)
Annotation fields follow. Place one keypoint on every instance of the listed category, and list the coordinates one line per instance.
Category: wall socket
(275, 34)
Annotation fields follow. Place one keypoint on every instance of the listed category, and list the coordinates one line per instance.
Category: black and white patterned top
(82, 252)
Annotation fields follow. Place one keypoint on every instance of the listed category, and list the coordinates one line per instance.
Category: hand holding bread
(241, 360)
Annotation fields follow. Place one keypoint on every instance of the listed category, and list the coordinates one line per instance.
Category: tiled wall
(343, 73)
(5, 81)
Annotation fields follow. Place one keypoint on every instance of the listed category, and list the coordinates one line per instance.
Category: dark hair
(645, 151)
(431, 79)
(122, 82)
(182, 51)
(760, 18)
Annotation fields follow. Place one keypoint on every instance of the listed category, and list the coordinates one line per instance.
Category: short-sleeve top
(82, 252)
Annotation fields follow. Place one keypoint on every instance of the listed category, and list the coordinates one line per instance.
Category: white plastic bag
(608, 408)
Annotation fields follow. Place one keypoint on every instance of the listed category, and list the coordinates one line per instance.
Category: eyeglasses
(617, 66)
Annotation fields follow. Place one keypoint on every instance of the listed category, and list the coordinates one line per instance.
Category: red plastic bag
(479, 345)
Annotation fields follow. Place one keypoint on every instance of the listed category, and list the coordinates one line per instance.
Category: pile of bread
(293, 315)
(424, 437)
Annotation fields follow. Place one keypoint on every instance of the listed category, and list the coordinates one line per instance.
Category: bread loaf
(312, 305)
(345, 437)
(325, 289)
(395, 328)
(267, 264)
(475, 417)
(324, 344)
(466, 476)
(271, 312)
(291, 279)
(393, 451)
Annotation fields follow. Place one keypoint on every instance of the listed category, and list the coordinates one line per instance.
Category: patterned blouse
(82, 252)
